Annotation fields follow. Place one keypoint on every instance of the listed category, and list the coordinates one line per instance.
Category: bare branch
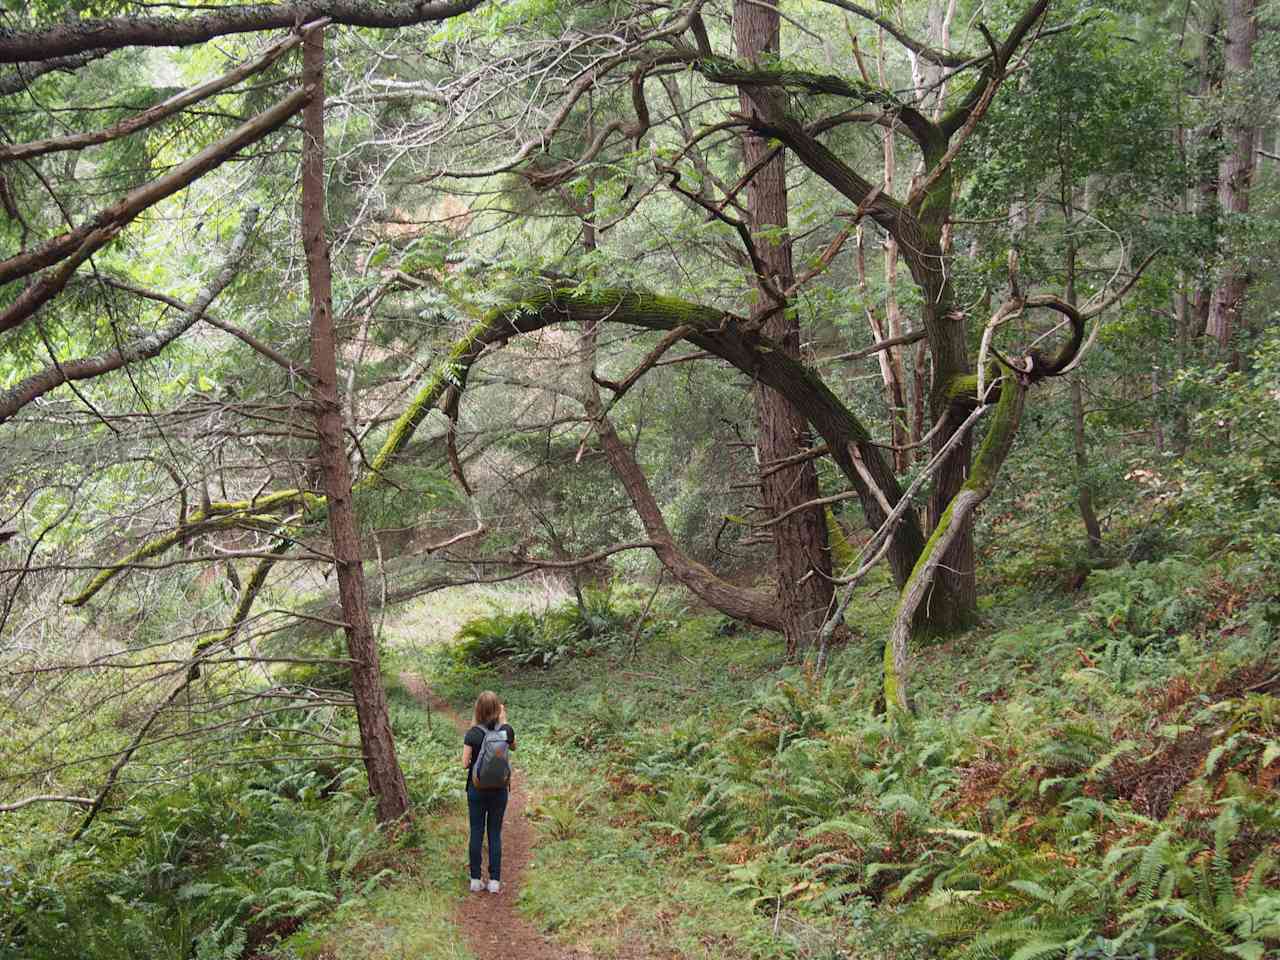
(294, 367)
(45, 798)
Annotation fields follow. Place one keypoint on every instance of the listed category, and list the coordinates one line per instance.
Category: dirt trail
(489, 921)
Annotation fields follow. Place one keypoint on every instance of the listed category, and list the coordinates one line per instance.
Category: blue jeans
(486, 808)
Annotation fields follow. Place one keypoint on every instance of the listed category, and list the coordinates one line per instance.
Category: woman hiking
(486, 755)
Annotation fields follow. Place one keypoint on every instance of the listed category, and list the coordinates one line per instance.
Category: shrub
(561, 632)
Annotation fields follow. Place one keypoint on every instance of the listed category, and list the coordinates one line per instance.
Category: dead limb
(45, 798)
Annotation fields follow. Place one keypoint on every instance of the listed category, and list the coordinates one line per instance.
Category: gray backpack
(492, 767)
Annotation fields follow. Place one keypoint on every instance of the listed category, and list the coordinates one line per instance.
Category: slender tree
(802, 557)
(386, 780)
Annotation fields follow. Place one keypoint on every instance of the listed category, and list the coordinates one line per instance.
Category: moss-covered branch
(198, 523)
(991, 457)
(540, 305)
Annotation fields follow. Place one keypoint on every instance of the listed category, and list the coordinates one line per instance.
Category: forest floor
(684, 794)
(489, 922)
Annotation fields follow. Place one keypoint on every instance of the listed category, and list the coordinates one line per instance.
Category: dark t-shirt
(475, 739)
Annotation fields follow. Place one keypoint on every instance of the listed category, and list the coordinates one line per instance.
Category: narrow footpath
(489, 922)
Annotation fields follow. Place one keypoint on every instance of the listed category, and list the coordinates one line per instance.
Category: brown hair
(488, 706)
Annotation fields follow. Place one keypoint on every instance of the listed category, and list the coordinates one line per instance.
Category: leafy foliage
(528, 639)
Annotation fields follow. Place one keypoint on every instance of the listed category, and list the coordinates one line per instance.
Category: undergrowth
(1087, 777)
(228, 862)
(528, 638)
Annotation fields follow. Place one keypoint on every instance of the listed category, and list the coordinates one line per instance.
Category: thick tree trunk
(1235, 171)
(386, 781)
(951, 602)
(800, 540)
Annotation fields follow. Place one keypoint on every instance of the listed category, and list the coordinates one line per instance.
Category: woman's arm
(466, 755)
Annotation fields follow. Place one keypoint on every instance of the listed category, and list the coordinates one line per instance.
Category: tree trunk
(1235, 170)
(1084, 491)
(952, 600)
(800, 540)
(1206, 203)
(386, 781)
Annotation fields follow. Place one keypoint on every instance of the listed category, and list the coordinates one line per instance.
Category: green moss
(843, 556)
(890, 681)
(198, 523)
(986, 465)
(426, 398)
(962, 386)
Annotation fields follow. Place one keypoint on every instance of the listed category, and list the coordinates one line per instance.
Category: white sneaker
(494, 886)
(477, 886)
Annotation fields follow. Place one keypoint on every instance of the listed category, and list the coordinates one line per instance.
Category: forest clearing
(796, 478)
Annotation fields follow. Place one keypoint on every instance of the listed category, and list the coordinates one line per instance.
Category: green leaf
(1252, 950)
(1270, 754)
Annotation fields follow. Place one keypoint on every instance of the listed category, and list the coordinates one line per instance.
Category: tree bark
(1084, 490)
(386, 781)
(1235, 171)
(801, 552)
(1206, 203)
(750, 606)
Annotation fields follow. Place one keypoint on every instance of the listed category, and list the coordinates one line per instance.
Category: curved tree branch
(986, 466)
(731, 338)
